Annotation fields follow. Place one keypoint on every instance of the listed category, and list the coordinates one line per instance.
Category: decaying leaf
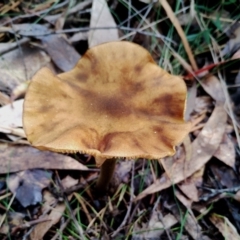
(5, 47)
(226, 151)
(30, 29)
(155, 228)
(4, 99)
(189, 185)
(19, 90)
(213, 87)
(55, 211)
(27, 185)
(14, 220)
(101, 17)
(11, 116)
(62, 53)
(190, 222)
(16, 158)
(234, 42)
(22, 60)
(225, 227)
(122, 171)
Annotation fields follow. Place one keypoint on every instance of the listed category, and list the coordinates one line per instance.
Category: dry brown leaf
(14, 220)
(4, 99)
(202, 104)
(68, 182)
(56, 213)
(11, 116)
(23, 69)
(226, 151)
(203, 148)
(189, 186)
(155, 228)
(101, 17)
(19, 90)
(122, 171)
(213, 87)
(234, 43)
(183, 199)
(27, 185)
(190, 224)
(17, 158)
(180, 31)
(62, 53)
(225, 227)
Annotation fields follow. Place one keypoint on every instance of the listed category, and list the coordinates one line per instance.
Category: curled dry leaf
(27, 185)
(101, 17)
(16, 158)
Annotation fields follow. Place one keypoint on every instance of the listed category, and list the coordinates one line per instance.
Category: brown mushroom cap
(116, 102)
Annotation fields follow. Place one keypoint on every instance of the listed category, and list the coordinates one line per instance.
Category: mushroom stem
(106, 173)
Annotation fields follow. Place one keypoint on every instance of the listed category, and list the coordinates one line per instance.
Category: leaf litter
(171, 198)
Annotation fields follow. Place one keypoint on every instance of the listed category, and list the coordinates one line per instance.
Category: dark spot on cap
(166, 141)
(106, 143)
(166, 105)
(164, 99)
(82, 77)
(157, 129)
(64, 95)
(131, 88)
(113, 106)
(138, 68)
(46, 108)
(137, 144)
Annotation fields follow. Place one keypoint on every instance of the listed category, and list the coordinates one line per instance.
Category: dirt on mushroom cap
(116, 102)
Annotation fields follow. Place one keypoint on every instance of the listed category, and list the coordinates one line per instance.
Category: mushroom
(115, 103)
